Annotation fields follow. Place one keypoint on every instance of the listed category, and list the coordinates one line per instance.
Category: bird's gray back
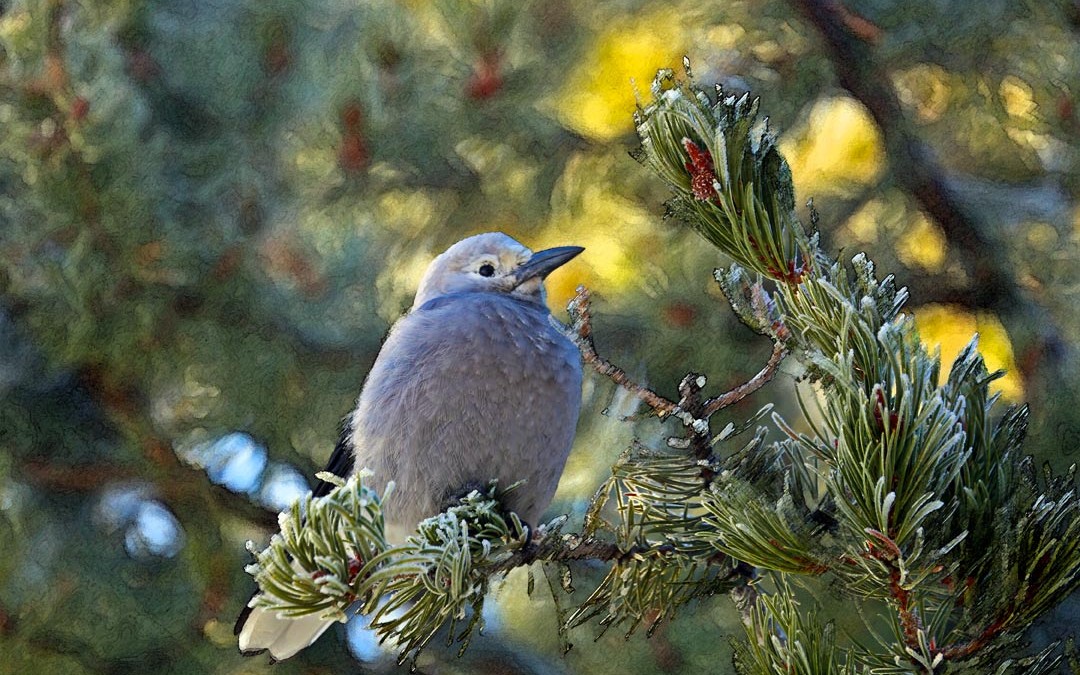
(479, 386)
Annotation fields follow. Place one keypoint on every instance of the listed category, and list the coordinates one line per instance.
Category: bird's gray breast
(466, 389)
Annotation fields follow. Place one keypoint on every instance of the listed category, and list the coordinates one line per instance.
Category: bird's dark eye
(487, 270)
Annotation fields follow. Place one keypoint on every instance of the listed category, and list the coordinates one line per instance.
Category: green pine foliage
(210, 212)
(901, 492)
(925, 486)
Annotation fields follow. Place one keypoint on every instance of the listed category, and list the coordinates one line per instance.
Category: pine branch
(916, 479)
(331, 552)
(914, 483)
(691, 410)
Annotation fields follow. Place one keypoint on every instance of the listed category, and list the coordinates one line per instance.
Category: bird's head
(494, 263)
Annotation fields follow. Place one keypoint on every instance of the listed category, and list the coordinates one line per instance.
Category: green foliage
(902, 471)
(332, 552)
(211, 211)
(314, 565)
(441, 573)
(788, 638)
(745, 206)
(657, 496)
(907, 469)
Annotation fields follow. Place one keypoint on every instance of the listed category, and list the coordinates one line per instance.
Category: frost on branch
(894, 487)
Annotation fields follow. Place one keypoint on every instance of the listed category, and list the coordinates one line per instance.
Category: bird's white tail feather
(281, 635)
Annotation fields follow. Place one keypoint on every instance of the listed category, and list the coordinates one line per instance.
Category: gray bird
(475, 383)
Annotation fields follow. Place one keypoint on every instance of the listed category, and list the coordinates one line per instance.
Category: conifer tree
(210, 212)
(909, 496)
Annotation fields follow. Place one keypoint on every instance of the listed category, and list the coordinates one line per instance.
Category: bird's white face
(491, 262)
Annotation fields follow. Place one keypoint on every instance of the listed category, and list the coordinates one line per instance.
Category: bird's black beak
(542, 263)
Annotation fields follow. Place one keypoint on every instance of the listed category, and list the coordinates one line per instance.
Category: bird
(476, 382)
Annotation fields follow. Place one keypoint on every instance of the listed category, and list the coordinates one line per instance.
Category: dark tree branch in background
(128, 410)
(914, 166)
(187, 490)
(74, 478)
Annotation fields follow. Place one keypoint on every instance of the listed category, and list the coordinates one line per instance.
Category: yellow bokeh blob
(598, 99)
(865, 224)
(922, 244)
(951, 327)
(1017, 97)
(919, 242)
(587, 210)
(838, 147)
(926, 88)
(1041, 237)
(608, 262)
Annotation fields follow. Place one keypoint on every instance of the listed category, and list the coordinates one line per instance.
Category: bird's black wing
(341, 460)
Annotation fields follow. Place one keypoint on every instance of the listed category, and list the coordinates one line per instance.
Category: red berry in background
(353, 153)
(680, 314)
(141, 66)
(80, 107)
(276, 59)
(352, 116)
(486, 79)
(1066, 109)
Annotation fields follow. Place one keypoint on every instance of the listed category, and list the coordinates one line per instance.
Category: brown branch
(965, 649)
(568, 548)
(886, 552)
(750, 386)
(581, 334)
(690, 409)
(915, 168)
(910, 623)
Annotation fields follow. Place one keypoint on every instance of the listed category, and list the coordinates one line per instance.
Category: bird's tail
(260, 629)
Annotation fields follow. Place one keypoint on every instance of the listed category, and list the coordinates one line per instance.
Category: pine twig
(581, 334)
(690, 409)
(574, 547)
(750, 386)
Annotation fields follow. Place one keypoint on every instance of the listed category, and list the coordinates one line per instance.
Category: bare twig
(750, 386)
(693, 412)
(581, 334)
(565, 548)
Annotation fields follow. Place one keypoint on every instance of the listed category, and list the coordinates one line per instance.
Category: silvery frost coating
(475, 383)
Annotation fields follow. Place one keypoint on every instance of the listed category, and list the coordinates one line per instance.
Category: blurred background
(212, 210)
